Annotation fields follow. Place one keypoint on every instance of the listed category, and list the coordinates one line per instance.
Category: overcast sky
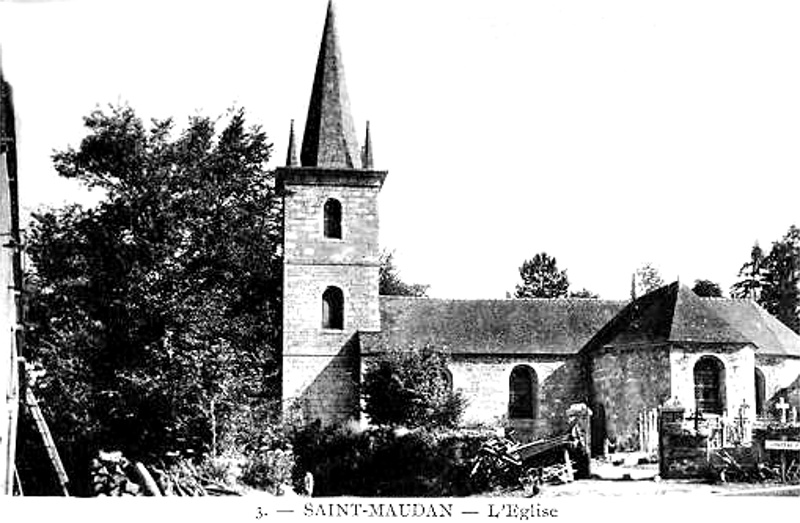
(607, 134)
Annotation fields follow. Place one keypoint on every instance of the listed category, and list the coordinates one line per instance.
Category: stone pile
(114, 475)
(110, 474)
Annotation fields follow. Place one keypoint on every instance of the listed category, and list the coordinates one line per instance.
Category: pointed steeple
(330, 139)
(291, 153)
(366, 151)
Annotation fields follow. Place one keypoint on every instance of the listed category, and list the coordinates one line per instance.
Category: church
(520, 363)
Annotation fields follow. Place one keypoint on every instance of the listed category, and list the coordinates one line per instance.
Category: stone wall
(484, 381)
(739, 385)
(323, 387)
(304, 241)
(625, 382)
(302, 321)
(321, 367)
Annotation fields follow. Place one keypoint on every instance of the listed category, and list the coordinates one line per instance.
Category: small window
(333, 219)
(333, 308)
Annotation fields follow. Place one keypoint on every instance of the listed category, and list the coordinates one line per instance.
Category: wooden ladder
(49, 445)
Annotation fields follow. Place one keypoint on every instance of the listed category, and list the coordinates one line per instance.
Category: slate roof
(329, 139)
(674, 313)
(560, 327)
(502, 327)
(764, 330)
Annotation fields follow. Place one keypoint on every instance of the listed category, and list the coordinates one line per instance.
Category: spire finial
(366, 151)
(330, 139)
(291, 153)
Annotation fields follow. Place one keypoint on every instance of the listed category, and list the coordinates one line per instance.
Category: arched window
(709, 385)
(761, 391)
(522, 393)
(333, 308)
(447, 378)
(333, 219)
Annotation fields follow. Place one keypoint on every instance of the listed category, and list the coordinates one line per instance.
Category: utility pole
(10, 292)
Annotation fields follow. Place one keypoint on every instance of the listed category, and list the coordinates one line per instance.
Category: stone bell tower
(331, 254)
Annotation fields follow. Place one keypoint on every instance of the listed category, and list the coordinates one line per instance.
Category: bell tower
(331, 254)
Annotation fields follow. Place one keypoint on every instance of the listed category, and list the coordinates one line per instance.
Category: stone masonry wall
(484, 381)
(321, 366)
(304, 241)
(739, 385)
(302, 321)
(625, 382)
(323, 387)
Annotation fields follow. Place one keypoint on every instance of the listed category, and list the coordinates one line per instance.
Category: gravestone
(783, 407)
(682, 453)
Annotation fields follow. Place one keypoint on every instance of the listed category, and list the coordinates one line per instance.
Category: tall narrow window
(709, 385)
(447, 379)
(333, 308)
(522, 392)
(333, 219)
(761, 391)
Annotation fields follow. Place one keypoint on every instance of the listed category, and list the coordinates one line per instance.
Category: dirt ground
(642, 480)
(591, 487)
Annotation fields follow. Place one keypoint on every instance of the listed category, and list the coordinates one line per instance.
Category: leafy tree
(155, 314)
(390, 283)
(411, 388)
(772, 280)
(541, 278)
(707, 288)
(751, 276)
(780, 294)
(646, 279)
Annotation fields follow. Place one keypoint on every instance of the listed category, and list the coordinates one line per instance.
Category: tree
(411, 388)
(541, 278)
(155, 314)
(707, 288)
(772, 280)
(751, 276)
(390, 283)
(779, 293)
(646, 279)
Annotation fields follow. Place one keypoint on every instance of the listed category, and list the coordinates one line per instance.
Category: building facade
(520, 363)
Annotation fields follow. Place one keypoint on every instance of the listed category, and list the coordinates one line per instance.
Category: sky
(607, 134)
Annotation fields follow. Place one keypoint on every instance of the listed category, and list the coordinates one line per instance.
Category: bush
(269, 459)
(386, 462)
(269, 469)
(411, 388)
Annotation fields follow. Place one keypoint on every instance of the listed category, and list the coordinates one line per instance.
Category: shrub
(269, 459)
(269, 469)
(411, 388)
(386, 462)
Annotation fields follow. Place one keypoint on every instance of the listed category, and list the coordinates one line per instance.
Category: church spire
(366, 152)
(330, 139)
(291, 153)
